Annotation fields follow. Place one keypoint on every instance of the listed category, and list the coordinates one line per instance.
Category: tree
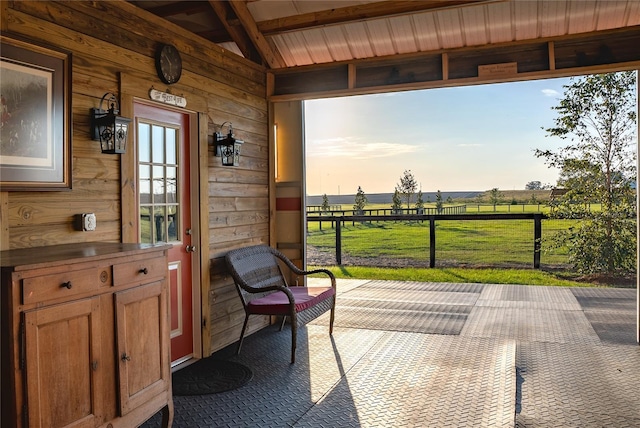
(420, 203)
(533, 185)
(407, 186)
(495, 196)
(360, 201)
(396, 206)
(439, 201)
(598, 114)
(325, 203)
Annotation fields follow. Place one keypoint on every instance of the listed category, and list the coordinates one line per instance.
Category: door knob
(190, 248)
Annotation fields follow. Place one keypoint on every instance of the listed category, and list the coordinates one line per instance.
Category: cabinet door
(63, 387)
(142, 338)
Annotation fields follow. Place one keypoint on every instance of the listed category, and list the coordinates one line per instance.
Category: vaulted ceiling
(290, 33)
(317, 48)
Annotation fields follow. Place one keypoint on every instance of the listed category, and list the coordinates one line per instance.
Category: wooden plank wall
(107, 40)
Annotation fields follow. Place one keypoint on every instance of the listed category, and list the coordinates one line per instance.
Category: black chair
(263, 290)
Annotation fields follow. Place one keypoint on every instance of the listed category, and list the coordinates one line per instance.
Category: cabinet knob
(144, 271)
(125, 357)
(66, 285)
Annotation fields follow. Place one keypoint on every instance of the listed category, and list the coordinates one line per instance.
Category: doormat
(210, 376)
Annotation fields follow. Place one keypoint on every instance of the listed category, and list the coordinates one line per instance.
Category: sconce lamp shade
(227, 147)
(109, 128)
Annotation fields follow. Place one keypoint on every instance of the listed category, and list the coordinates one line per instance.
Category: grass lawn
(472, 251)
(497, 243)
(485, 276)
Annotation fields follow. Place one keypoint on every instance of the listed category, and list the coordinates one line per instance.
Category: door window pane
(144, 187)
(160, 224)
(173, 226)
(171, 184)
(145, 225)
(157, 144)
(172, 147)
(144, 142)
(158, 183)
(159, 188)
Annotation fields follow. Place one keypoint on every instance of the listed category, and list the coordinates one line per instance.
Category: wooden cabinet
(85, 339)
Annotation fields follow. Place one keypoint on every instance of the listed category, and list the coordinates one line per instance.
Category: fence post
(339, 240)
(432, 241)
(537, 237)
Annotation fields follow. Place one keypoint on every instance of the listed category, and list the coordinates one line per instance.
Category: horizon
(444, 192)
(420, 132)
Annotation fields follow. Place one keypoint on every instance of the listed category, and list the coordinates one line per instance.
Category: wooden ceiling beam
(569, 55)
(356, 13)
(270, 56)
(236, 30)
(177, 8)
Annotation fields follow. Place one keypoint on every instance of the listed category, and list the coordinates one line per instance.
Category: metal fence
(436, 240)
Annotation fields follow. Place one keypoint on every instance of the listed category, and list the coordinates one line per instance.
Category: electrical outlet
(88, 222)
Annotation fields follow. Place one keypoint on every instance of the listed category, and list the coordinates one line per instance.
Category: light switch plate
(88, 222)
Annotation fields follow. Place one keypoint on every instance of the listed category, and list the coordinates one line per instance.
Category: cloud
(550, 92)
(470, 145)
(356, 148)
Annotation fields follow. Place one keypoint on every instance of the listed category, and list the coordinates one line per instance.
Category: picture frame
(35, 117)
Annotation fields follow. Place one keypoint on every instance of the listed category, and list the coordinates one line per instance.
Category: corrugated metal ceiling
(369, 29)
(471, 25)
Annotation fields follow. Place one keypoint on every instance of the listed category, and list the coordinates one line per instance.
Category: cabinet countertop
(54, 255)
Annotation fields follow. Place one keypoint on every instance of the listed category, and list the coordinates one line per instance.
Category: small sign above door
(167, 98)
(498, 70)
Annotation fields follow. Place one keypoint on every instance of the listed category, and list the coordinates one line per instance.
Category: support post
(537, 237)
(432, 241)
(339, 221)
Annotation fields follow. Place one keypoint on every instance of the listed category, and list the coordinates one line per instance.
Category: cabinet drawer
(67, 284)
(139, 270)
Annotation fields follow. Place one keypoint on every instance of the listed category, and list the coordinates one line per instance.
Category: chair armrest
(295, 269)
(285, 290)
(328, 272)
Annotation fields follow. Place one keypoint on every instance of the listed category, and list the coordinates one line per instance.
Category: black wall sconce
(227, 147)
(109, 128)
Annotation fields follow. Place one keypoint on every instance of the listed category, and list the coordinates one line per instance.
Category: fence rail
(453, 209)
(339, 221)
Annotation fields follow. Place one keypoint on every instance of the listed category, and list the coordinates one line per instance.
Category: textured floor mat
(566, 375)
(397, 320)
(569, 385)
(410, 380)
(530, 325)
(603, 299)
(410, 307)
(425, 286)
(613, 328)
(611, 312)
(518, 296)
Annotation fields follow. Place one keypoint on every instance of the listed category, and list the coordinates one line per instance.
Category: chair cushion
(278, 304)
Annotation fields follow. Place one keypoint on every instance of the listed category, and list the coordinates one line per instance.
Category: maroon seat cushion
(278, 304)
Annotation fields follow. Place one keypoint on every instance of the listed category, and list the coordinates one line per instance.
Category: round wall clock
(168, 64)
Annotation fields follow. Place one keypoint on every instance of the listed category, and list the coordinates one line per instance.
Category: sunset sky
(452, 139)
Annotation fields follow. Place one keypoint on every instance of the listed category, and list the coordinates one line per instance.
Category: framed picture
(35, 117)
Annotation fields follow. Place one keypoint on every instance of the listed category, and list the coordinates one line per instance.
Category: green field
(496, 243)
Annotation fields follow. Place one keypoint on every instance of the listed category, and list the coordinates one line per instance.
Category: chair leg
(244, 327)
(294, 337)
(284, 318)
(333, 314)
